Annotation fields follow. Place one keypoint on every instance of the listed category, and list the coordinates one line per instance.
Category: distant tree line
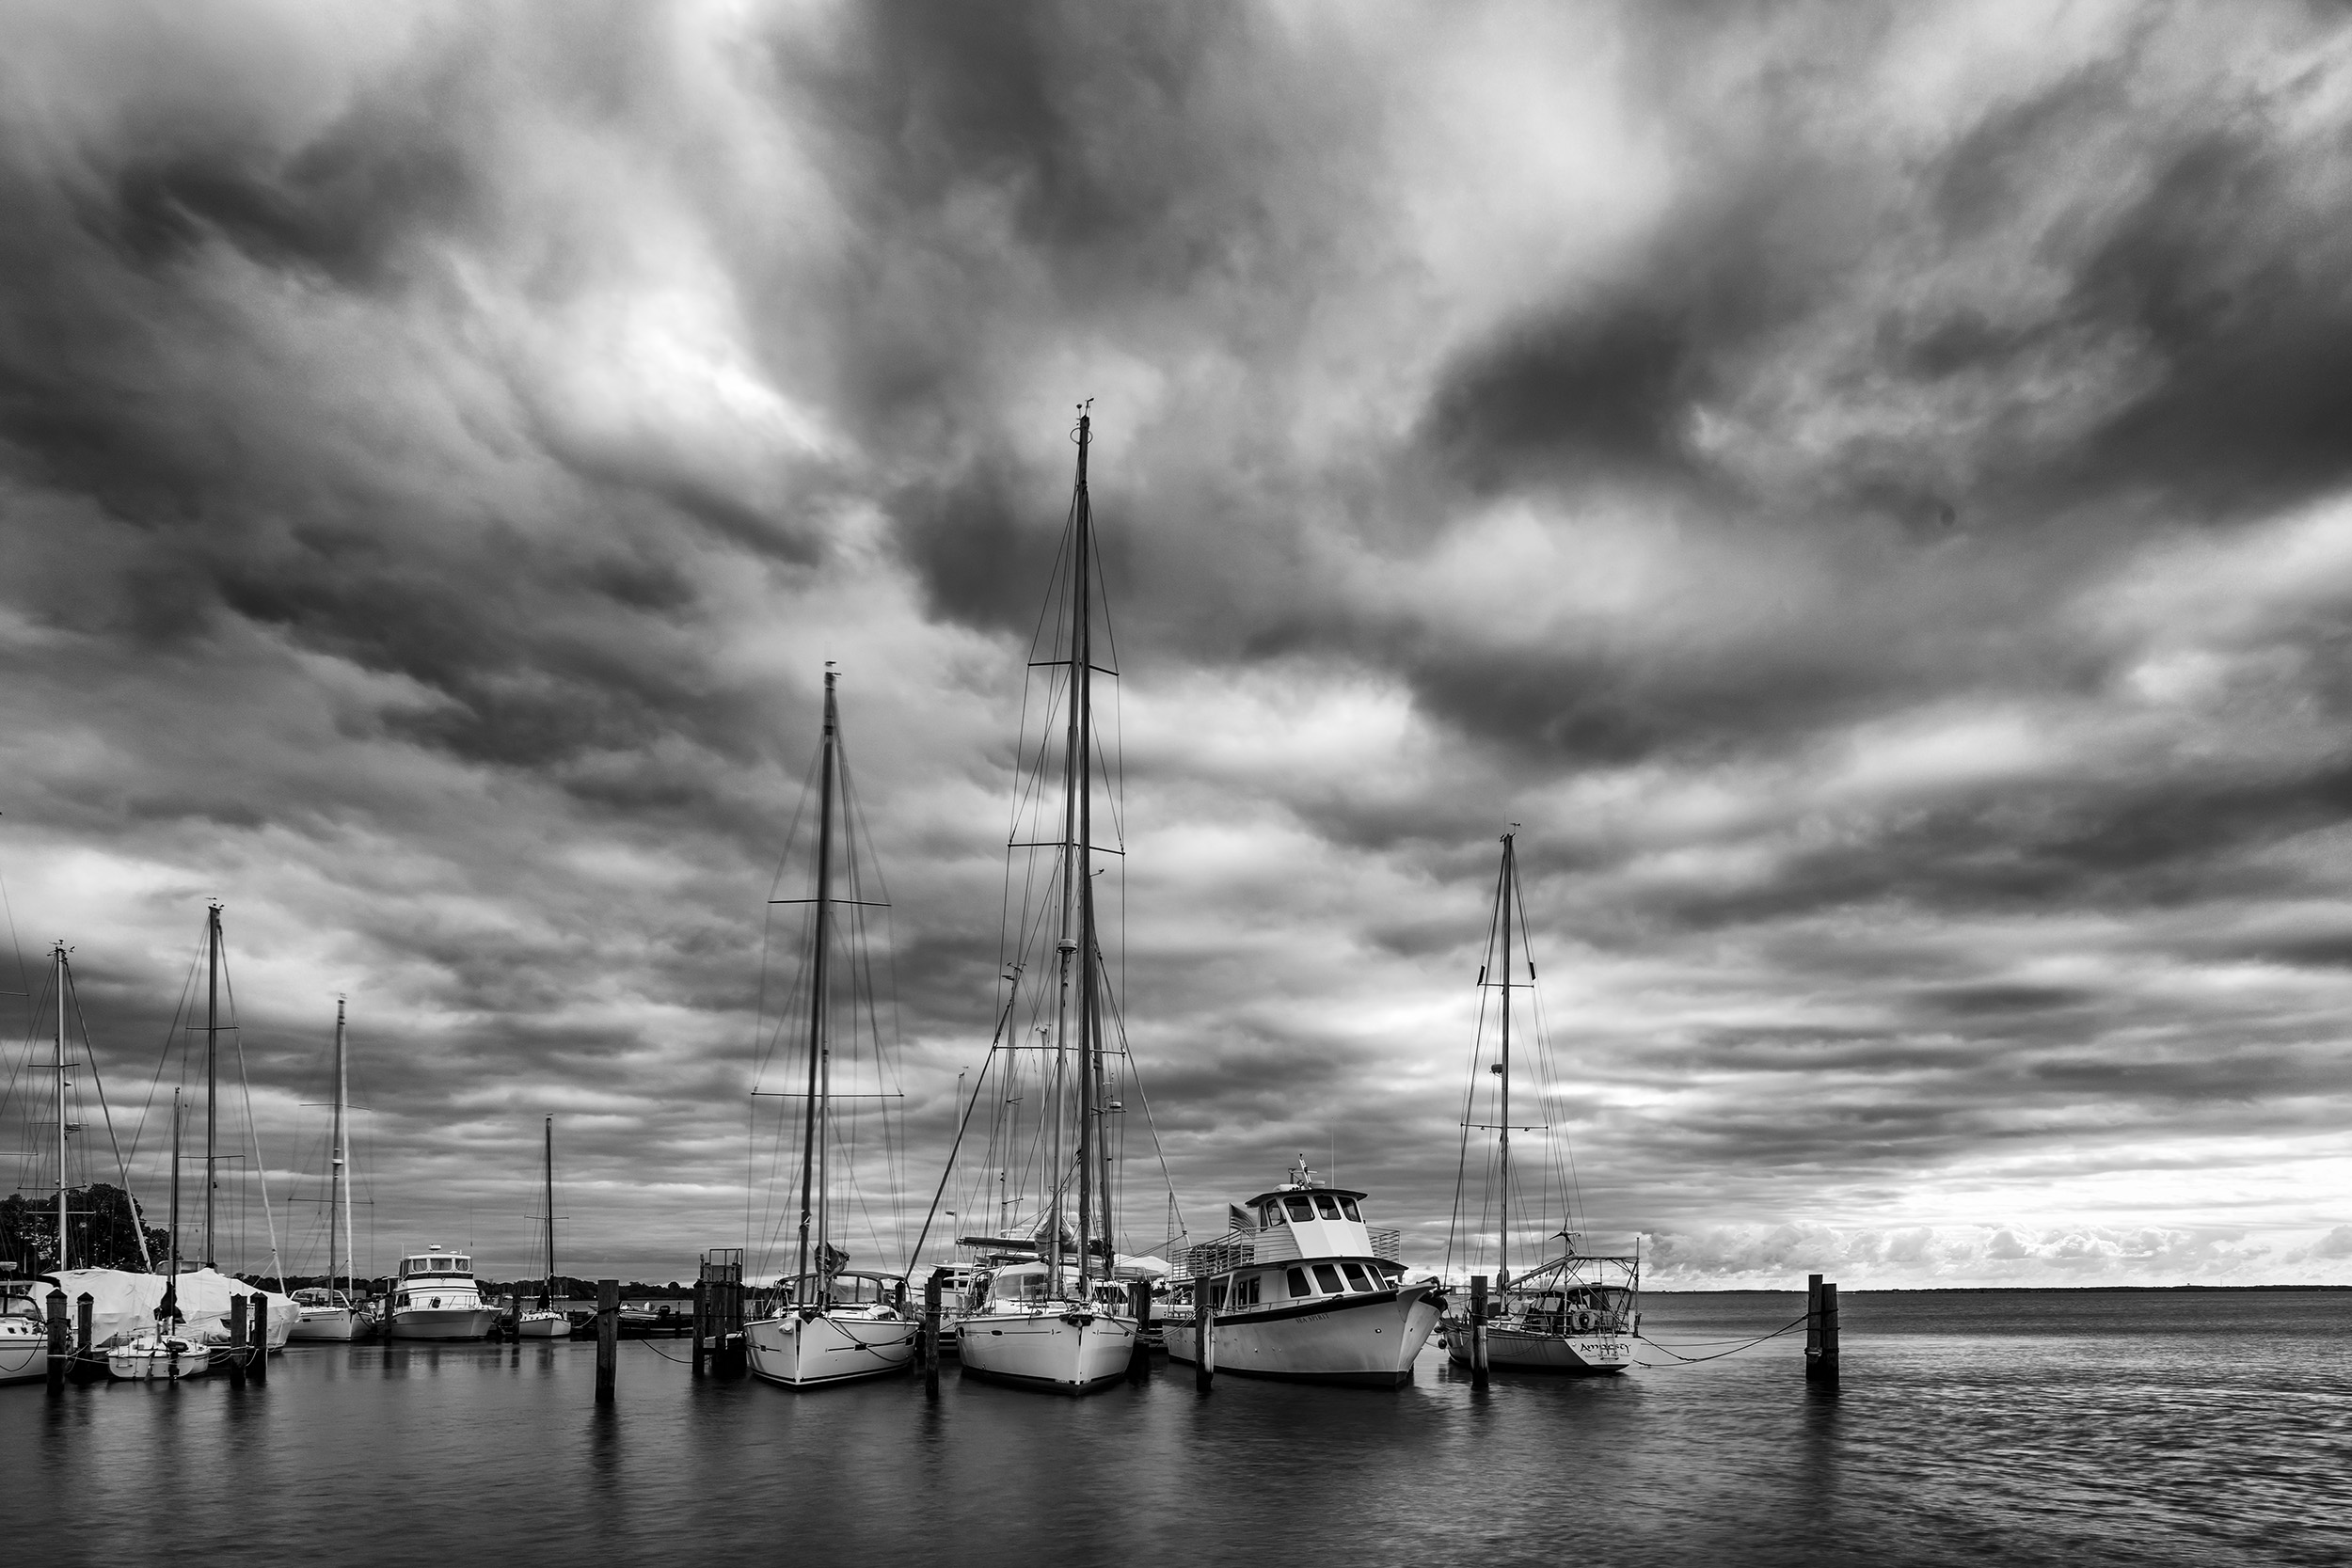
(101, 1231)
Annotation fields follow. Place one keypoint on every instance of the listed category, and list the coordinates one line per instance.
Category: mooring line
(1693, 1360)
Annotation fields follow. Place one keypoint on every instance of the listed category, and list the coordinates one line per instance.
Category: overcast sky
(1868, 492)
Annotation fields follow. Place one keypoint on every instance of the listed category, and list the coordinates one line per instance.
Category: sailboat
(833, 1323)
(23, 1328)
(1036, 1316)
(545, 1321)
(1572, 1313)
(329, 1313)
(163, 1353)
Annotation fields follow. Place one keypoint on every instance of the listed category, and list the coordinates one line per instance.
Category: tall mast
(62, 1261)
(1075, 863)
(547, 1295)
(817, 1041)
(338, 1208)
(1510, 878)
(172, 1283)
(1082, 687)
(212, 1073)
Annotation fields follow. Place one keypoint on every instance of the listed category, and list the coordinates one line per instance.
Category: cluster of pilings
(719, 1314)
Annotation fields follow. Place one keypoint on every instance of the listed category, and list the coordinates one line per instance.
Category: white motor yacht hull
(325, 1325)
(148, 1359)
(1532, 1351)
(443, 1323)
(827, 1347)
(544, 1326)
(1067, 1350)
(1368, 1339)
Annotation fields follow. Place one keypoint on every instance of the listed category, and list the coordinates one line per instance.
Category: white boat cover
(123, 1304)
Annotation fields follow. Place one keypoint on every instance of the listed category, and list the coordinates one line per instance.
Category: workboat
(545, 1321)
(1303, 1287)
(1575, 1312)
(828, 1327)
(435, 1297)
(1036, 1321)
(23, 1328)
(327, 1312)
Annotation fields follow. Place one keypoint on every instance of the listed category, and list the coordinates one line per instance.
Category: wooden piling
(1204, 1332)
(608, 1337)
(702, 1322)
(931, 1334)
(238, 1352)
(258, 1325)
(1478, 1331)
(83, 1306)
(1821, 1331)
(1139, 1303)
(60, 1348)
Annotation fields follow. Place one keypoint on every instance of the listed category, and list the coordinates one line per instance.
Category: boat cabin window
(1269, 1213)
(1347, 1206)
(1245, 1292)
(1355, 1277)
(1298, 1283)
(1328, 1277)
(1326, 1206)
(1300, 1209)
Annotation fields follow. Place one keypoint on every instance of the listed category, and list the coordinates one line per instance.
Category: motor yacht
(1305, 1288)
(436, 1297)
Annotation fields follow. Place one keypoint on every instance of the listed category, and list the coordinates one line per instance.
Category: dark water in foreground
(2014, 1427)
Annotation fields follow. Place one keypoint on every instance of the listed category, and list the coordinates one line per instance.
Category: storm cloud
(1867, 493)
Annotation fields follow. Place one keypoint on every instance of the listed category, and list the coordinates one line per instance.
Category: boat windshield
(1024, 1286)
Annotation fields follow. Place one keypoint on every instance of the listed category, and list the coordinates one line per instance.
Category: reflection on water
(2008, 1426)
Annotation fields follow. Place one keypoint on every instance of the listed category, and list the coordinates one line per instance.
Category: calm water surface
(2013, 1427)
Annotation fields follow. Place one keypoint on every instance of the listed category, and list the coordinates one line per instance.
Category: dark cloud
(1878, 529)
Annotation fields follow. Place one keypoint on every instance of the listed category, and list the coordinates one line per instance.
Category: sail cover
(123, 1304)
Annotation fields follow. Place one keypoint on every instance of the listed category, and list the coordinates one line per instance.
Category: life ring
(1583, 1320)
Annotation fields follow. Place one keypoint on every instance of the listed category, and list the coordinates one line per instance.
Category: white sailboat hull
(544, 1326)
(24, 1355)
(1065, 1349)
(150, 1359)
(443, 1323)
(1368, 1339)
(1528, 1350)
(828, 1347)
(325, 1325)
